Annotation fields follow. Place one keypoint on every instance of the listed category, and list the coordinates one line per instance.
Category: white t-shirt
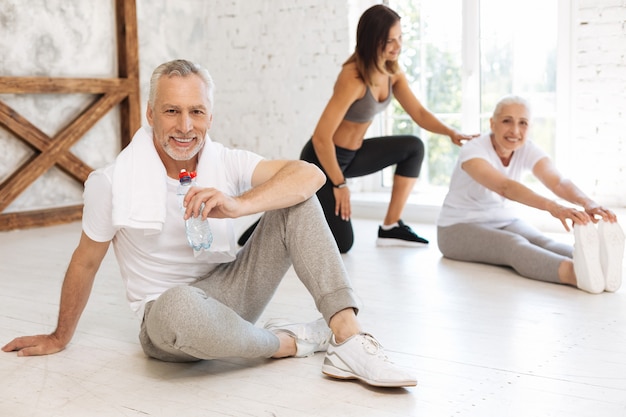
(468, 201)
(151, 263)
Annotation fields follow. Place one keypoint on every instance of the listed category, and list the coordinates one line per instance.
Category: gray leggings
(517, 245)
(214, 317)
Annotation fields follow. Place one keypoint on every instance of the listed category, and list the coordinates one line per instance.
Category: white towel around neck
(139, 185)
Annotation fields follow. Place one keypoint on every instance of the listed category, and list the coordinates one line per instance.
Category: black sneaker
(401, 235)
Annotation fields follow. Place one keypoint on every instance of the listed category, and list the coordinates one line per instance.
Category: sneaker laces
(322, 335)
(373, 347)
(405, 226)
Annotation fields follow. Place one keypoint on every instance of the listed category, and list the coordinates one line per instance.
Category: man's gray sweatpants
(214, 317)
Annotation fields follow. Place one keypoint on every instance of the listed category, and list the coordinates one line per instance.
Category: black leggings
(406, 152)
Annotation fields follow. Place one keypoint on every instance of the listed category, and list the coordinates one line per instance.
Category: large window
(461, 56)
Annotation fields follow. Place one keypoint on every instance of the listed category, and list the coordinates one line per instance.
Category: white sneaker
(310, 337)
(589, 275)
(611, 254)
(362, 357)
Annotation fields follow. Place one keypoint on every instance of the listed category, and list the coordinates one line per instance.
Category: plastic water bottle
(199, 234)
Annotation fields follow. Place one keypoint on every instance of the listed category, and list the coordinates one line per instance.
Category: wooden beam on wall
(110, 92)
(128, 67)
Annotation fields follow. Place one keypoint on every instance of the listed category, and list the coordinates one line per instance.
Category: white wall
(598, 148)
(274, 63)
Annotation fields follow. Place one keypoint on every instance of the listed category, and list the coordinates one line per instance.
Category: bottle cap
(185, 177)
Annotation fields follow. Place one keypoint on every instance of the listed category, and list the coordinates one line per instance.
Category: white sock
(389, 226)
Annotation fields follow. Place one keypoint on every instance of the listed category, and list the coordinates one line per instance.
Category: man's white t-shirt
(150, 263)
(468, 201)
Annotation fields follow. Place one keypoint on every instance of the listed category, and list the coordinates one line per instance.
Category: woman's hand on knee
(342, 203)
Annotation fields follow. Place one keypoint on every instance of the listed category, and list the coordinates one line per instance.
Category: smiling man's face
(180, 118)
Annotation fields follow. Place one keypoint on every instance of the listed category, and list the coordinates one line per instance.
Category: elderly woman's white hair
(511, 99)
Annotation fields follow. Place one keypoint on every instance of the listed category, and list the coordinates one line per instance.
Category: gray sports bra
(364, 109)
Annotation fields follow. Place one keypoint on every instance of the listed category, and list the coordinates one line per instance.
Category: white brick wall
(599, 100)
(274, 64)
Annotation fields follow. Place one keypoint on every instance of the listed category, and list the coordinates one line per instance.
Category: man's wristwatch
(342, 185)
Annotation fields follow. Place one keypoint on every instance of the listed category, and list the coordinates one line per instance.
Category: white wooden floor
(481, 340)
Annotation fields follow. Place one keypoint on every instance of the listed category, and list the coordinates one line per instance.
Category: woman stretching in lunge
(367, 82)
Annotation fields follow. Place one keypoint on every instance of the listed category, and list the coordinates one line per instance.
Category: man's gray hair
(180, 68)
